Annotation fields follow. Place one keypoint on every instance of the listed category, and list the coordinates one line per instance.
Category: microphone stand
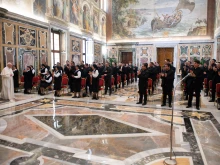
(170, 161)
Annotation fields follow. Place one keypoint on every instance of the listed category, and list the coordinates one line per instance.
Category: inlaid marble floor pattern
(63, 131)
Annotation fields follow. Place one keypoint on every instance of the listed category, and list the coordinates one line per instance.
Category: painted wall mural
(43, 57)
(76, 49)
(76, 46)
(95, 21)
(60, 8)
(39, 8)
(103, 26)
(98, 53)
(217, 15)
(158, 18)
(75, 12)
(86, 18)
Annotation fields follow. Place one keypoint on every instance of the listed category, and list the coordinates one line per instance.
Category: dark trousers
(142, 94)
(108, 85)
(90, 87)
(122, 80)
(116, 82)
(165, 93)
(127, 79)
(213, 92)
(135, 77)
(197, 91)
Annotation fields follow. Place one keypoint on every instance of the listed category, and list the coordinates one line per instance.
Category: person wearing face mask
(27, 80)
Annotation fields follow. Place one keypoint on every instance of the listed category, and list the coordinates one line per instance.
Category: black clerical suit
(153, 75)
(195, 86)
(142, 84)
(27, 81)
(16, 80)
(108, 72)
(135, 69)
(167, 85)
(115, 74)
(216, 79)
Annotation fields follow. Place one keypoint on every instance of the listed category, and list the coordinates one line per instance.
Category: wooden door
(126, 57)
(163, 54)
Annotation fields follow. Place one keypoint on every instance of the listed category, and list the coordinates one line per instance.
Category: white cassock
(7, 84)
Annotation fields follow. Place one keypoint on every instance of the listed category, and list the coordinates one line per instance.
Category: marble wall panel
(8, 33)
(27, 36)
(26, 58)
(43, 57)
(42, 38)
(9, 55)
(76, 49)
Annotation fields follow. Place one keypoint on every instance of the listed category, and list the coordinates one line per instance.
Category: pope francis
(7, 83)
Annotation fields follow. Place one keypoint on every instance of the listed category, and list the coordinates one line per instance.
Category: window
(55, 47)
(84, 51)
(89, 52)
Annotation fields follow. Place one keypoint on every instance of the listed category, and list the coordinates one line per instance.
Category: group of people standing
(166, 73)
(194, 82)
(93, 72)
(196, 73)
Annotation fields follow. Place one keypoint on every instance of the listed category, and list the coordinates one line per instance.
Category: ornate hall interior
(112, 130)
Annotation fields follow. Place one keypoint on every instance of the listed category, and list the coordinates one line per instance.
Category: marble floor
(43, 130)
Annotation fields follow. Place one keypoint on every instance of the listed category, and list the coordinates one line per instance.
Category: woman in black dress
(27, 80)
(57, 81)
(46, 81)
(95, 81)
(15, 77)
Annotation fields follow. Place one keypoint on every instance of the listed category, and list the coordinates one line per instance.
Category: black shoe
(163, 105)
(188, 106)
(211, 100)
(144, 104)
(197, 108)
(170, 106)
(74, 97)
(138, 103)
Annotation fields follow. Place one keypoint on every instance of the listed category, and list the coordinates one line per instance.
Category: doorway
(126, 57)
(163, 54)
